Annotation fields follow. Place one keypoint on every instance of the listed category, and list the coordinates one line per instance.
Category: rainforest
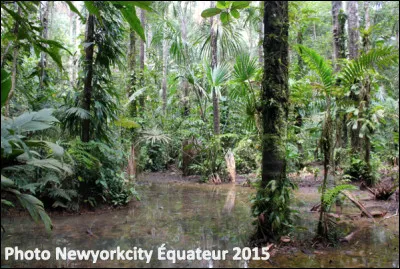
(262, 132)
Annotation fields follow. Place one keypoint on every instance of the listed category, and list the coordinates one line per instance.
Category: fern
(330, 195)
(354, 70)
(317, 64)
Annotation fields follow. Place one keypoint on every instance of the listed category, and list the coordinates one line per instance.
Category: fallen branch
(388, 217)
(349, 237)
(357, 203)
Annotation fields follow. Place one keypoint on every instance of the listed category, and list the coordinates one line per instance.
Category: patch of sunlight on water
(190, 216)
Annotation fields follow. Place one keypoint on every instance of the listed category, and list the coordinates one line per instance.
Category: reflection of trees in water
(230, 200)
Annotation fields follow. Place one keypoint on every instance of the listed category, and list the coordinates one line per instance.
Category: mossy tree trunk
(186, 151)
(275, 91)
(214, 63)
(274, 214)
(87, 90)
(142, 52)
(353, 45)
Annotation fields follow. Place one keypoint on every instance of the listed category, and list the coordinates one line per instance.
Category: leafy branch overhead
(226, 9)
(127, 9)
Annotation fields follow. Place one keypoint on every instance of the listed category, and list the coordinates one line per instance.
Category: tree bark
(14, 68)
(260, 36)
(87, 91)
(131, 87)
(353, 29)
(186, 151)
(214, 63)
(275, 91)
(73, 21)
(353, 45)
(338, 24)
(274, 113)
(164, 74)
(45, 35)
(142, 55)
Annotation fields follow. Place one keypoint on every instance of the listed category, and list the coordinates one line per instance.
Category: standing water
(187, 216)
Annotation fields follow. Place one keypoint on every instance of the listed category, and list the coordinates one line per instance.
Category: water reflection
(191, 216)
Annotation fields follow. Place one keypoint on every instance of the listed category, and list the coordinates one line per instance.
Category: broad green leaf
(210, 12)
(240, 4)
(5, 86)
(92, 8)
(235, 13)
(221, 5)
(146, 5)
(74, 9)
(130, 16)
(225, 17)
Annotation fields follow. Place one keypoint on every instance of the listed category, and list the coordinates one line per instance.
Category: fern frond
(330, 195)
(317, 64)
(354, 70)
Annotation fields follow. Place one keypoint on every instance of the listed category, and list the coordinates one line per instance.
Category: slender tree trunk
(338, 23)
(339, 52)
(274, 111)
(164, 74)
(260, 36)
(353, 45)
(353, 29)
(14, 67)
(214, 63)
(131, 87)
(142, 55)
(367, 95)
(73, 20)
(45, 25)
(186, 151)
(87, 91)
(326, 144)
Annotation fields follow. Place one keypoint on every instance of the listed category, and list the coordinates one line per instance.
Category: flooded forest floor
(185, 214)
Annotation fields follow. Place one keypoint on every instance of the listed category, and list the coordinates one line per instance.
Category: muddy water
(191, 216)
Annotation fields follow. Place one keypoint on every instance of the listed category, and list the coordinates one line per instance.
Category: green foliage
(98, 173)
(331, 195)
(359, 170)
(20, 154)
(270, 208)
(5, 86)
(226, 9)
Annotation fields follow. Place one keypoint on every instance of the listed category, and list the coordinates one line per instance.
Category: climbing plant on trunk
(271, 204)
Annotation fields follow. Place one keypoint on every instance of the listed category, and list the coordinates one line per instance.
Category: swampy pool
(188, 216)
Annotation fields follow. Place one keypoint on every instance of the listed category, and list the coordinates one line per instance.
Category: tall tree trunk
(87, 91)
(353, 29)
(260, 36)
(338, 24)
(326, 144)
(274, 109)
(367, 96)
(275, 90)
(164, 74)
(131, 88)
(73, 21)
(14, 67)
(339, 52)
(142, 55)
(353, 45)
(186, 151)
(45, 35)
(214, 63)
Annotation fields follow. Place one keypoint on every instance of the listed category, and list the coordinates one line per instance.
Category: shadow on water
(187, 217)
